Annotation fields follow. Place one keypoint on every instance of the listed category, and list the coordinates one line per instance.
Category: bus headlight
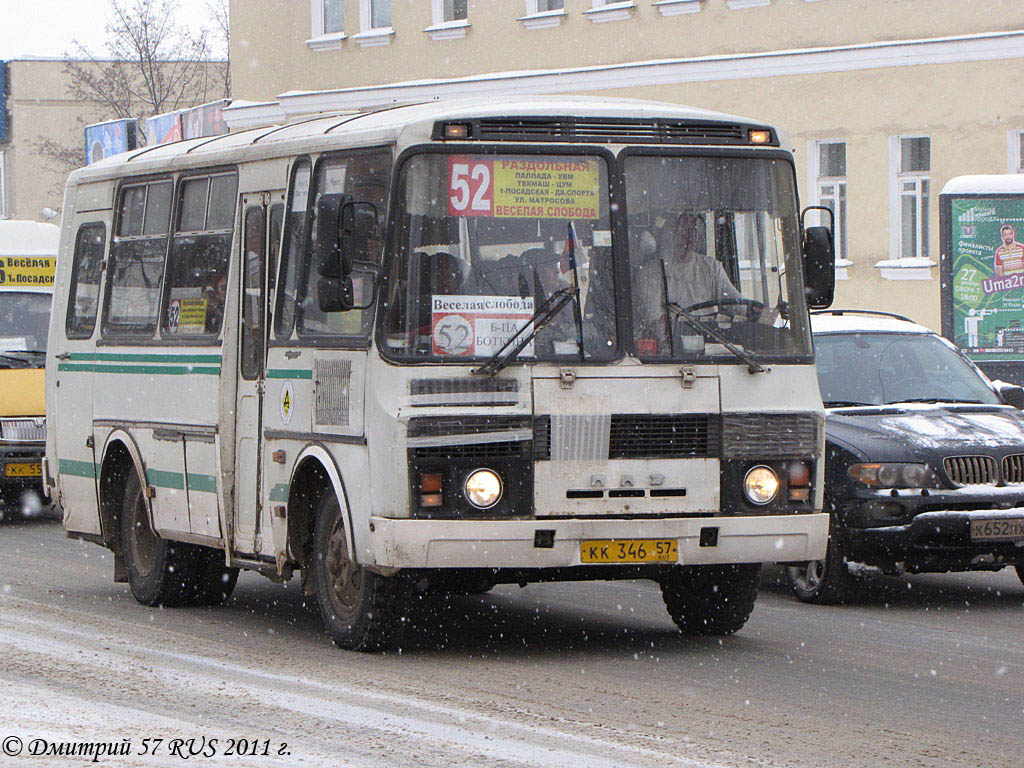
(761, 485)
(483, 488)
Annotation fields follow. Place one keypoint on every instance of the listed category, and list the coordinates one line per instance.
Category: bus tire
(160, 572)
(361, 610)
(711, 599)
(214, 581)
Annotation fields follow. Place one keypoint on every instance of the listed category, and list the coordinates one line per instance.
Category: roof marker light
(456, 131)
(760, 137)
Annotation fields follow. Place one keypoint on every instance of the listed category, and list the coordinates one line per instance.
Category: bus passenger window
(137, 256)
(252, 294)
(296, 232)
(197, 270)
(84, 293)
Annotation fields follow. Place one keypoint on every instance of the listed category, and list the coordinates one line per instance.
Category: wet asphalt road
(919, 671)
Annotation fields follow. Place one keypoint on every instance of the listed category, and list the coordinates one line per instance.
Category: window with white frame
(610, 10)
(327, 24)
(451, 19)
(831, 188)
(913, 187)
(1015, 151)
(374, 23)
(543, 13)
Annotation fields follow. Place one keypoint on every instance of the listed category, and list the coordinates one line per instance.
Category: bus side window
(197, 268)
(84, 292)
(252, 293)
(296, 235)
(137, 254)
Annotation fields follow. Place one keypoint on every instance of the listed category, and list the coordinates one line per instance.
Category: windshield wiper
(518, 341)
(753, 366)
(845, 404)
(13, 359)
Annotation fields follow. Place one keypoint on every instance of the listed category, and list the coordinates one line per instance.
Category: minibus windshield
(714, 257)
(484, 240)
(24, 320)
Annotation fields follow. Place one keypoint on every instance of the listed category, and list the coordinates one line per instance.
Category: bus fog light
(761, 485)
(483, 488)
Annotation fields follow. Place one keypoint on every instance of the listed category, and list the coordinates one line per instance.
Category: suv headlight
(894, 475)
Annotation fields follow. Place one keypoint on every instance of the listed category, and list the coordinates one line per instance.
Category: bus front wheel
(362, 610)
(711, 599)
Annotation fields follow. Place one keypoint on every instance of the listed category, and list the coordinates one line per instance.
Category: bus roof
(381, 125)
(28, 238)
(986, 184)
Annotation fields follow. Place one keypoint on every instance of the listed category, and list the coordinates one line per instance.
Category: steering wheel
(757, 307)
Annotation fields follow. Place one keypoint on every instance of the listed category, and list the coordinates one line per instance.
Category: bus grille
(663, 436)
(610, 130)
(970, 470)
(331, 380)
(1013, 468)
(775, 435)
(23, 430)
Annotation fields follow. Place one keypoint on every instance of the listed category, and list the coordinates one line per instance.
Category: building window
(831, 188)
(327, 24)
(1015, 152)
(451, 19)
(543, 13)
(374, 22)
(3, 188)
(610, 10)
(914, 181)
(677, 7)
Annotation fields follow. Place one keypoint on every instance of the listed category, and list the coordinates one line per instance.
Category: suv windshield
(24, 321)
(714, 239)
(483, 240)
(880, 368)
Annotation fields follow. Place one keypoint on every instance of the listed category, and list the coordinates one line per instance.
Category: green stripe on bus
(150, 370)
(77, 468)
(279, 492)
(202, 483)
(162, 479)
(289, 373)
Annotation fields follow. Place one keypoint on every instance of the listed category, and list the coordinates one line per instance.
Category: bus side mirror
(358, 228)
(326, 244)
(355, 290)
(353, 225)
(819, 263)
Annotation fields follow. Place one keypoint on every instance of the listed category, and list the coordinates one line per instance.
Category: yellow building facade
(883, 102)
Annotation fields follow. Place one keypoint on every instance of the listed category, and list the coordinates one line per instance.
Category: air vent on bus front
(607, 130)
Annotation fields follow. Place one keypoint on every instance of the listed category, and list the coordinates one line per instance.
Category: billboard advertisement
(110, 138)
(163, 129)
(986, 271)
(204, 120)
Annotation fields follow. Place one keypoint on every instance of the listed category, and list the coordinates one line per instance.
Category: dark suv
(924, 467)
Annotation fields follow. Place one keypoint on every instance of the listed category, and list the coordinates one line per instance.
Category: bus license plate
(997, 529)
(25, 469)
(629, 551)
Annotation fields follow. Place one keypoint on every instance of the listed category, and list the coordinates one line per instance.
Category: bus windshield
(484, 239)
(24, 321)
(714, 257)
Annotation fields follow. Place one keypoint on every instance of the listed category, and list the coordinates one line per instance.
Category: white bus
(441, 347)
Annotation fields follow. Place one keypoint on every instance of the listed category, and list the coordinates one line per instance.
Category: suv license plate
(629, 551)
(24, 469)
(997, 529)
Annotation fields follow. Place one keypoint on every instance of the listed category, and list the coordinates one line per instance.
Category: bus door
(262, 215)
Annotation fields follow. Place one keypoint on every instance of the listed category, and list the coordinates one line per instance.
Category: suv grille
(650, 436)
(1013, 468)
(970, 470)
(614, 130)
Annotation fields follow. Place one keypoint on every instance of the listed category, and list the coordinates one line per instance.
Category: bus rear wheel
(711, 599)
(170, 573)
(362, 610)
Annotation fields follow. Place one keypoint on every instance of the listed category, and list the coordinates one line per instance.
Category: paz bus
(439, 347)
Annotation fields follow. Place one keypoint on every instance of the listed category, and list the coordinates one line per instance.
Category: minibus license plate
(629, 550)
(25, 469)
(997, 529)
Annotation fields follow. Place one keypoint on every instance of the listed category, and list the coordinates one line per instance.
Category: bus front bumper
(405, 543)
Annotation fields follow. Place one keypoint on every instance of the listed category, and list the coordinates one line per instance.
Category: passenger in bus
(215, 292)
